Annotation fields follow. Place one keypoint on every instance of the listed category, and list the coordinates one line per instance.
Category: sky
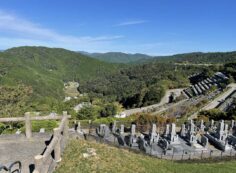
(155, 27)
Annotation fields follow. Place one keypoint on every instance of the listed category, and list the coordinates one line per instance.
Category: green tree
(154, 95)
(111, 109)
(87, 112)
(14, 100)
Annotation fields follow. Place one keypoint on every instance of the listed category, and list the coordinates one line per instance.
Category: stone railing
(27, 119)
(46, 162)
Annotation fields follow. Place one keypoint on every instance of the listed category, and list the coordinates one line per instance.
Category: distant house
(78, 107)
(53, 114)
(71, 84)
(67, 99)
(121, 115)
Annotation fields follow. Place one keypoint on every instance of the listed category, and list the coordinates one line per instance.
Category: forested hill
(140, 85)
(119, 57)
(199, 58)
(191, 58)
(46, 69)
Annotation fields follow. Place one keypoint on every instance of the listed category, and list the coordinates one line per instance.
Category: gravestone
(154, 137)
(42, 130)
(212, 124)
(18, 132)
(133, 140)
(202, 126)
(232, 124)
(183, 131)
(174, 138)
(203, 141)
(103, 131)
(222, 133)
(133, 129)
(79, 130)
(122, 128)
(114, 127)
(167, 130)
(190, 136)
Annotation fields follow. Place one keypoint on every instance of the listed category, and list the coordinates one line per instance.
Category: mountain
(46, 69)
(144, 83)
(194, 57)
(199, 58)
(118, 57)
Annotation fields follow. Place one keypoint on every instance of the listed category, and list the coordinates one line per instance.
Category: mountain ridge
(46, 69)
(118, 57)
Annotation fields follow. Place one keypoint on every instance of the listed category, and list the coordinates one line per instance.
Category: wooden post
(28, 128)
(38, 162)
(57, 149)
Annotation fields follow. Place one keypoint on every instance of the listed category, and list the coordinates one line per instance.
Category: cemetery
(187, 141)
(201, 84)
(195, 140)
(227, 104)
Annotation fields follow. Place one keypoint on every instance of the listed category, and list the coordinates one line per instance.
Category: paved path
(163, 101)
(18, 148)
(213, 104)
(222, 97)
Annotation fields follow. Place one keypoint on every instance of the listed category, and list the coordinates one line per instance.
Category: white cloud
(132, 22)
(19, 32)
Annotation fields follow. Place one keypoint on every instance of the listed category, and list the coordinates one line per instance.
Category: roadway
(221, 97)
(159, 105)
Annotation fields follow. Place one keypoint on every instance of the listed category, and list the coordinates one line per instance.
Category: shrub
(48, 125)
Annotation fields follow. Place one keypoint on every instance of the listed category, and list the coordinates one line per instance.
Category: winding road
(163, 101)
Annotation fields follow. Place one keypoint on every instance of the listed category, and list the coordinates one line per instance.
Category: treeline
(216, 114)
(200, 58)
(230, 70)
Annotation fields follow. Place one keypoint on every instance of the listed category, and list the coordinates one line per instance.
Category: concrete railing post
(57, 148)
(66, 126)
(28, 128)
(38, 162)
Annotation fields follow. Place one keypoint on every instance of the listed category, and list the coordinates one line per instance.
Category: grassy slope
(113, 160)
(46, 69)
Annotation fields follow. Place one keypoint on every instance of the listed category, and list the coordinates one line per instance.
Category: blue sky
(156, 27)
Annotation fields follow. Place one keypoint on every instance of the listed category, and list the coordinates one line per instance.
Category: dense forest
(140, 85)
